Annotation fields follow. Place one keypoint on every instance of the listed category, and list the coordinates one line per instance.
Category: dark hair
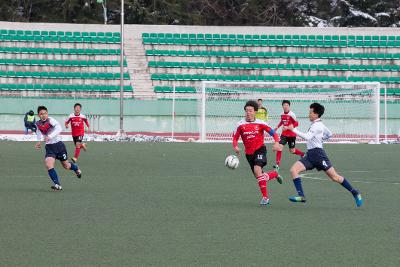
(251, 103)
(259, 99)
(31, 113)
(286, 102)
(77, 104)
(41, 108)
(318, 108)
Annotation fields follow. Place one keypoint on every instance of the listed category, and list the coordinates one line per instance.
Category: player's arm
(274, 135)
(294, 121)
(235, 142)
(86, 122)
(307, 136)
(278, 126)
(327, 134)
(39, 137)
(67, 121)
(57, 130)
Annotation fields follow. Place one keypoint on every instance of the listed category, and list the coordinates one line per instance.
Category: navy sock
(53, 175)
(299, 188)
(348, 186)
(74, 167)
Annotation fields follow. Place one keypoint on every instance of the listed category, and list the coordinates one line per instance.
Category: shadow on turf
(280, 205)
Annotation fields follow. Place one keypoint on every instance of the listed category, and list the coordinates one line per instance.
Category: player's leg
(293, 149)
(331, 172)
(62, 155)
(77, 142)
(49, 162)
(297, 168)
(282, 143)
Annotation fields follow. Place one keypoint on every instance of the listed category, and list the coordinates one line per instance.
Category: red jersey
(286, 120)
(77, 124)
(252, 133)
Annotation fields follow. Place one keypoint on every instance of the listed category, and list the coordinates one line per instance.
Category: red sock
(77, 151)
(278, 157)
(298, 152)
(270, 175)
(262, 183)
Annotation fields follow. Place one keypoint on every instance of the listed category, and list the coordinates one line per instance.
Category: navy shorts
(258, 158)
(57, 151)
(77, 139)
(291, 141)
(316, 158)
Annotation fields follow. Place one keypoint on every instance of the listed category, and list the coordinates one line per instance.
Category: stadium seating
(59, 36)
(31, 64)
(271, 40)
(189, 58)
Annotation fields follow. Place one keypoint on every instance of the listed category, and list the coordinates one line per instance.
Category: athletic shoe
(84, 147)
(297, 199)
(56, 187)
(78, 173)
(279, 179)
(358, 199)
(264, 201)
(74, 160)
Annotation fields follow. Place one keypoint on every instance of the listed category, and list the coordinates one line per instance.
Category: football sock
(77, 152)
(348, 186)
(278, 157)
(74, 167)
(299, 187)
(270, 175)
(298, 152)
(262, 183)
(53, 175)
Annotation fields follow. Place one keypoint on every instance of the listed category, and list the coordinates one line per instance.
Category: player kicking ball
(287, 137)
(316, 156)
(78, 122)
(50, 129)
(251, 130)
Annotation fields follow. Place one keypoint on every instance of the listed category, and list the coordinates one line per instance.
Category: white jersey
(50, 128)
(316, 135)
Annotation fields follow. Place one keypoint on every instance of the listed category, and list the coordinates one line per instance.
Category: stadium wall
(156, 115)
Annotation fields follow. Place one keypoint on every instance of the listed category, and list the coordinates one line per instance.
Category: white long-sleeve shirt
(50, 128)
(316, 135)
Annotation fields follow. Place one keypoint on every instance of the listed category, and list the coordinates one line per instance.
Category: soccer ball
(232, 162)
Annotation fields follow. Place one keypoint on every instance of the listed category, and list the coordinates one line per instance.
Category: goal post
(352, 109)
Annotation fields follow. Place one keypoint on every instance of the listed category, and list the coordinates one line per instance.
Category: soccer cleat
(78, 173)
(74, 160)
(279, 178)
(297, 199)
(84, 147)
(264, 201)
(358, 199)
(56, 187)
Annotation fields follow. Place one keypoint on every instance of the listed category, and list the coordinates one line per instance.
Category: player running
(50, 129)
(251, 130)
(78, 122)
(316, 156)
(287, 137)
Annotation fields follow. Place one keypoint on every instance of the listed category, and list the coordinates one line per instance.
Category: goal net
(351, 109)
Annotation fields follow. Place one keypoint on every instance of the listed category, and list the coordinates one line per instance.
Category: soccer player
(316, 156)
(78, 122)
(262, 112)
(251, 130)
(287, 137)
(50, 129)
